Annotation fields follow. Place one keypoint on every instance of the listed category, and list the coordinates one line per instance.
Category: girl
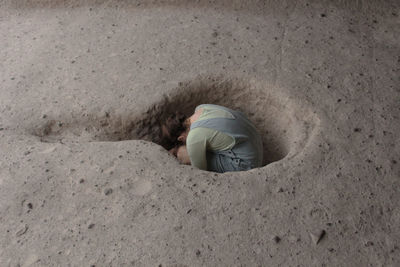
(219, 139)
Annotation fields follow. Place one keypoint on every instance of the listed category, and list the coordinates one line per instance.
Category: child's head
(171, 129)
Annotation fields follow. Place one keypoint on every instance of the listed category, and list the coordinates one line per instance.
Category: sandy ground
(85, 83)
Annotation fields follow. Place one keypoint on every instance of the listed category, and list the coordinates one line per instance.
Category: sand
(85, 84)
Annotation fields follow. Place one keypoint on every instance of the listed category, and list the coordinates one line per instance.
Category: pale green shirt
(201, 139)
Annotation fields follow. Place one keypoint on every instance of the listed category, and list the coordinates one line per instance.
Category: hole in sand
(284, 124)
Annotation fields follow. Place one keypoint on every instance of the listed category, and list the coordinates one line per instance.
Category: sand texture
(85, 85)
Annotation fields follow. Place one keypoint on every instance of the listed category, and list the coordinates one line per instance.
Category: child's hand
(173, 151)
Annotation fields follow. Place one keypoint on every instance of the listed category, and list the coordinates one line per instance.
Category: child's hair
(171, 129)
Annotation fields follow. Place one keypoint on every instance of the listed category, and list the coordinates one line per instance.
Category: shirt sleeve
(197, 152)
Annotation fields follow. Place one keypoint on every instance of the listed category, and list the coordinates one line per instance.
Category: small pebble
(108, 191)
(317, 236)
(91, 226)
